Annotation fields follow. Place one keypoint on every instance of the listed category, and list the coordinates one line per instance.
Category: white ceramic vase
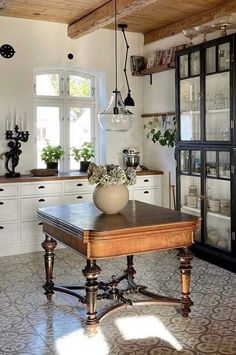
(111, 199)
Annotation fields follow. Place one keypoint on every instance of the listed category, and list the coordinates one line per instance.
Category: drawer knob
(146, 180)
(146, 192)
(1, 203)
(1, 189)
(79, 184)
(41, 200)
(40, 223)
(1, 227)
(79, 197)
(41, 187)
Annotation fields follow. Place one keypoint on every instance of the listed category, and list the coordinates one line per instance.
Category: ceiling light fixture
(128, 101)
(116, 117)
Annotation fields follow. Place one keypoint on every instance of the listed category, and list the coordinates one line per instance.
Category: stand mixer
(131, 158)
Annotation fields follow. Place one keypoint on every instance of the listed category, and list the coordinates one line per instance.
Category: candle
(14, 118)
(7, 125)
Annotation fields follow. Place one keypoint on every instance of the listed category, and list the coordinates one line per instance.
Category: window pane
(183, 66)
(195, 63)
(48, 129)
(80, 129)
(79, 86)
(195, 162)
(47, 84)
(224, 165)
(223, 56)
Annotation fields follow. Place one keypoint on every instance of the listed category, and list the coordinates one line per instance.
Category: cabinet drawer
(78, 186)
(10, 190)
(149, 181)
(8, 233)
(31, 232)
(40, 188)
(8, 210)
(151, 196)
(29, 205)
(78, 198)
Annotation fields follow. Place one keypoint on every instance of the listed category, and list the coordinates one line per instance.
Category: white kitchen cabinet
(20, 230)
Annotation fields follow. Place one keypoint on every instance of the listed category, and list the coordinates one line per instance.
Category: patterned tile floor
(30, 325)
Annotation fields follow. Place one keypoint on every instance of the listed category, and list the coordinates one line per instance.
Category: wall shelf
(154, 69)
(157, 114)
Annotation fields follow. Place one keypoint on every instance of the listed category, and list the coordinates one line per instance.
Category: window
(65, 109)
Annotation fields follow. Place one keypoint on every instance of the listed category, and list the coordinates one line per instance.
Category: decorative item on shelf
(137, 64)
(116, 117)
(111, 194)
(222, 20)
(128, 101)
(12, 157)
(162, 129)
(51, 154)
(84, 155)
(204, 30)
(190, 33)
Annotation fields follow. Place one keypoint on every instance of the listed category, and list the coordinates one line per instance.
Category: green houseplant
(84, 155)
(51, 154)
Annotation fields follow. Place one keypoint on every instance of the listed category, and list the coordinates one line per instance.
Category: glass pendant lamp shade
(222, 18)
(116, 117)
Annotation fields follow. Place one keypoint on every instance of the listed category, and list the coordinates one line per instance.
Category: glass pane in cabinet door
(184, 161)
(218, 222)
(224, 56)
(211, 163)
(195, 162)
(190, 109)
(210, 60)
(195, 63)
(183, 66)
(224, 165)
(217, 107)
(190, 197)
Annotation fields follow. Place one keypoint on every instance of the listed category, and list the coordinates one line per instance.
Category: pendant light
(128, 101)
(116, 117)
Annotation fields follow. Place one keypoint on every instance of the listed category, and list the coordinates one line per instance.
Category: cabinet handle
(41, 187)
(146, 192)
(79, 197)
(1, 227)
(41, 200)
(40, 223)
(1, 203)
(1, 189)
(146, 180)
(79, 184)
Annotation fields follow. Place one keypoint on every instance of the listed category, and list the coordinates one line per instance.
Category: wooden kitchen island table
(137, 229)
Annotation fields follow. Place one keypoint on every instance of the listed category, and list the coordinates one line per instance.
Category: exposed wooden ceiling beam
(104, 15)
(189, 22)
(4, 4)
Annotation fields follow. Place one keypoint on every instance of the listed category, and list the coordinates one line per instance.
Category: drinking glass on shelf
(190, 33)
(204, 30)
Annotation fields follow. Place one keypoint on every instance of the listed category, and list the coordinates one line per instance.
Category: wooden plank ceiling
(154, 18)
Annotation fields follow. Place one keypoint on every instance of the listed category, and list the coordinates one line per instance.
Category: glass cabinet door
(217, 120)
(217, 199)
(190, 109)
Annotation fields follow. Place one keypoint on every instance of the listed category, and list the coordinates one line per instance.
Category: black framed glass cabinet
(206, 145)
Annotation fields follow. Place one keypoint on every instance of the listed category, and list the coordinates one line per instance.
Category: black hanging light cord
(116, 107)
(128, 101)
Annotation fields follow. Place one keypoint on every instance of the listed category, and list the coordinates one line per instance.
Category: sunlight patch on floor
(77, 342)
(142, 327)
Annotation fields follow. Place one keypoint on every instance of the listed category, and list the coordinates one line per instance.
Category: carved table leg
(49, 245)
(185, 258)
(91, 272)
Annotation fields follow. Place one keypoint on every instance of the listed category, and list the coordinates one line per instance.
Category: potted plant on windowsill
(84, 155)
(51, 154)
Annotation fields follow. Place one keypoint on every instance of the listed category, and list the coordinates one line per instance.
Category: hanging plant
(162, 130)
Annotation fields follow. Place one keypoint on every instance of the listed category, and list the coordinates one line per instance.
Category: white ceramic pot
(111, 199)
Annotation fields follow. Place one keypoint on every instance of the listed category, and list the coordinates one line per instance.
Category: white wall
(44, 44)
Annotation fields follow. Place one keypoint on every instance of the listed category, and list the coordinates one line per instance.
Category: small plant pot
(84, 166)
(52, 166)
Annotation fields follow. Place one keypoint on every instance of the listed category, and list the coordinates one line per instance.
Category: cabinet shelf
(213, 214)
(189, 112)
(223, 110)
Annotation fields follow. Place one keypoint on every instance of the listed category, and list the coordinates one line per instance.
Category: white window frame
(64, 102)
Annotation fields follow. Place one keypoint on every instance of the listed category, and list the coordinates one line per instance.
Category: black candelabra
(12, 157)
